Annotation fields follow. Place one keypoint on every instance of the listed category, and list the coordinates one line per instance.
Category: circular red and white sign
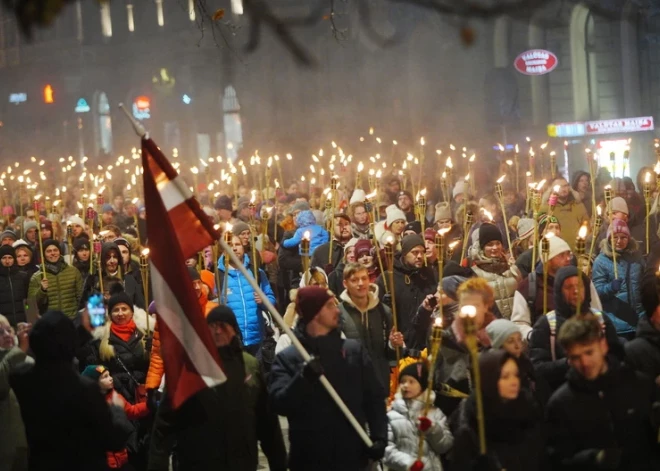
(536, 62)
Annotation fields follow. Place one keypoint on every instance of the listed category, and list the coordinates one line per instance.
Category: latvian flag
(178, 228)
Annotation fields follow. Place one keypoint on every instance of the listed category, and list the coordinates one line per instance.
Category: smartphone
(96, 310)
(433, 302)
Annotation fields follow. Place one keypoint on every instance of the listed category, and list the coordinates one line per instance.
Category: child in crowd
(306, 222)
(407, 420)
(116, 460)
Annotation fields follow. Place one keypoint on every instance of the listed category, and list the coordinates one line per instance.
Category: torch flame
(371, 195)
(599, 210)
(540, 186)
(488, 214)
(389, 240)
(501, 179)
(556, 188)
(544, 145)
(443, 231)
(582, 234)
(254, 196)
(517, 148)
(656, 169)
(438, 321)
(472, 157)
(307, 235)
(423, 192)
(468, 311)
(145, 252)
(422, 141)
(501, 147)
(647, 178)
(449, 164)
(228, 227)
(360, 167)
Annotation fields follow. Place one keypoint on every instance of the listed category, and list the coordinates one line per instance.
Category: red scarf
(125, 331)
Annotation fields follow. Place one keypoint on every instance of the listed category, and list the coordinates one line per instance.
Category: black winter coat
(514, 439)
(554, 372)
(14, 286)
(321, 437)
(643, 352)
(321, 255)
(290, 265)
(412, 286)
(612, 412)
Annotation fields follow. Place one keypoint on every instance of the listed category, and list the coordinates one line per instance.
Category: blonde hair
(477, 286)
(4, 321)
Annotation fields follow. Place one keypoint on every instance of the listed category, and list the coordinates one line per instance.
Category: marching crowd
(558, 369)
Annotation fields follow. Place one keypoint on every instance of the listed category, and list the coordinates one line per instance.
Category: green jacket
(220, 427)
(64, 290)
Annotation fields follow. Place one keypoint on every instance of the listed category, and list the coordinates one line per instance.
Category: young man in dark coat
(412, 282)
(219, 428)
(321, 437)
(67, 422)
(13, 287)
(546, 353)
(643, 352)
(343, 233)
(606, 415)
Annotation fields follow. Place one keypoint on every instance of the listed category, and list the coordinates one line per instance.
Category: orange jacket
(117, 459)
(156, 368)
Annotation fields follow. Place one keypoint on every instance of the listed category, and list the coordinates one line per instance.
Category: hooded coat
(513, 428)
(543, 336)
(240, 298)
(13, 293)
(586, 197)
(403, 435)
(131, 287)
(613, 413)
(643, 352)
(630, 266)
(64, 289)
(74, 427)
(372, 328)
(321, 438)
(306, 222)
(412, 286)
(501, 277)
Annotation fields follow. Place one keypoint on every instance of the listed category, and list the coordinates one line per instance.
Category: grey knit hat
(499, 331)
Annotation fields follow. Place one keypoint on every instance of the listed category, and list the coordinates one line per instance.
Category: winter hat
(80, 243)
(76, 220)
(8, 233)
(223, 202)
(29, 225)
(7, 250)
(47, 225)
(618, 204)
(488, 233)
(121, 241)
(310, 300)
(363, 247)
(459, 189)
(224, 314)
(359, 196)
(405, 193)
(300, 206)
(414, 226)
(240, 227)
(7, 211)
(442, 211)
(94, 371)
(419, 371)
(49, 242)
(107, 208)
(525, 228)
(20, 243)
(305, 218)
(394, 214)
(118, 296)
(351, 243)
(409, 242)
(557, 246)
(499, 331)
(619, 226)
(429, 234)
(53, 339)
(194, 274)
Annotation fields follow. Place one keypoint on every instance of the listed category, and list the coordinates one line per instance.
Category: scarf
(124, 332)
(54, 268)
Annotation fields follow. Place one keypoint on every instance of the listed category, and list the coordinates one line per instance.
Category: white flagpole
(140, 131)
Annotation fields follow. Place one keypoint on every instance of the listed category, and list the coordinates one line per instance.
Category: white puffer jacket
(403, 435)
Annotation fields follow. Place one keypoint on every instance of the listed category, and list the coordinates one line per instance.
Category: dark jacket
(372, 328)
(524, 261)
(219, 428)
(321, 437)
(412, 286)
(290, 264)
(336, 279)
(14, 286)
(612, 412)
(321, 255)
(67, 421)
(643, 352)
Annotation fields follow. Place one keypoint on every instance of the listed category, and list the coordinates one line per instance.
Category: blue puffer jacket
(317, 234)
(240, 298)
(603, 275)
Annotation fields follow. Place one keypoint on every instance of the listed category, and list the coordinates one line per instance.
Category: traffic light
(49, 96)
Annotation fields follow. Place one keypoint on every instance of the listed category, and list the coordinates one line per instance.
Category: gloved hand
(616, 285)
(312, 369)
(387, 300)
(609, 458)
(377, 450)
(424, 424)
(417, 466)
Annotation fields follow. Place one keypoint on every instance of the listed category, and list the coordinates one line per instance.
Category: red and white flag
(178, 229)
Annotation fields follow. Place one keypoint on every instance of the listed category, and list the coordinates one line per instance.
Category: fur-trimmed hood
(102, 333)
(606, 249)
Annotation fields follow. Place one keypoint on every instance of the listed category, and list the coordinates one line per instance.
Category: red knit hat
(363, 247)
(429, 234)
(310, 300)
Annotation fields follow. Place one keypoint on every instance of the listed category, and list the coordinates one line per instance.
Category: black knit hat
(194, 274)
(419, 371)
(414, 226)
(224, 314)
(49, 242)
(7, 250)
(80, 243)
(488, 233)
(409, 242)
(118, 296)
(223, 202)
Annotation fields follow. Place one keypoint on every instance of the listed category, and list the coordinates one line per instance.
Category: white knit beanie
(394, 214)
(460, 188)
(359, 196)
(557, 246)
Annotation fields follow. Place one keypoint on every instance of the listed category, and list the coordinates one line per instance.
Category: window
(106, 20)
(159, 12)
(131, 19)
(104, 132)
(191, 9)
(237, 7)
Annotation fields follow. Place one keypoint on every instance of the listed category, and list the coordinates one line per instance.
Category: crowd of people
(558, 369)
